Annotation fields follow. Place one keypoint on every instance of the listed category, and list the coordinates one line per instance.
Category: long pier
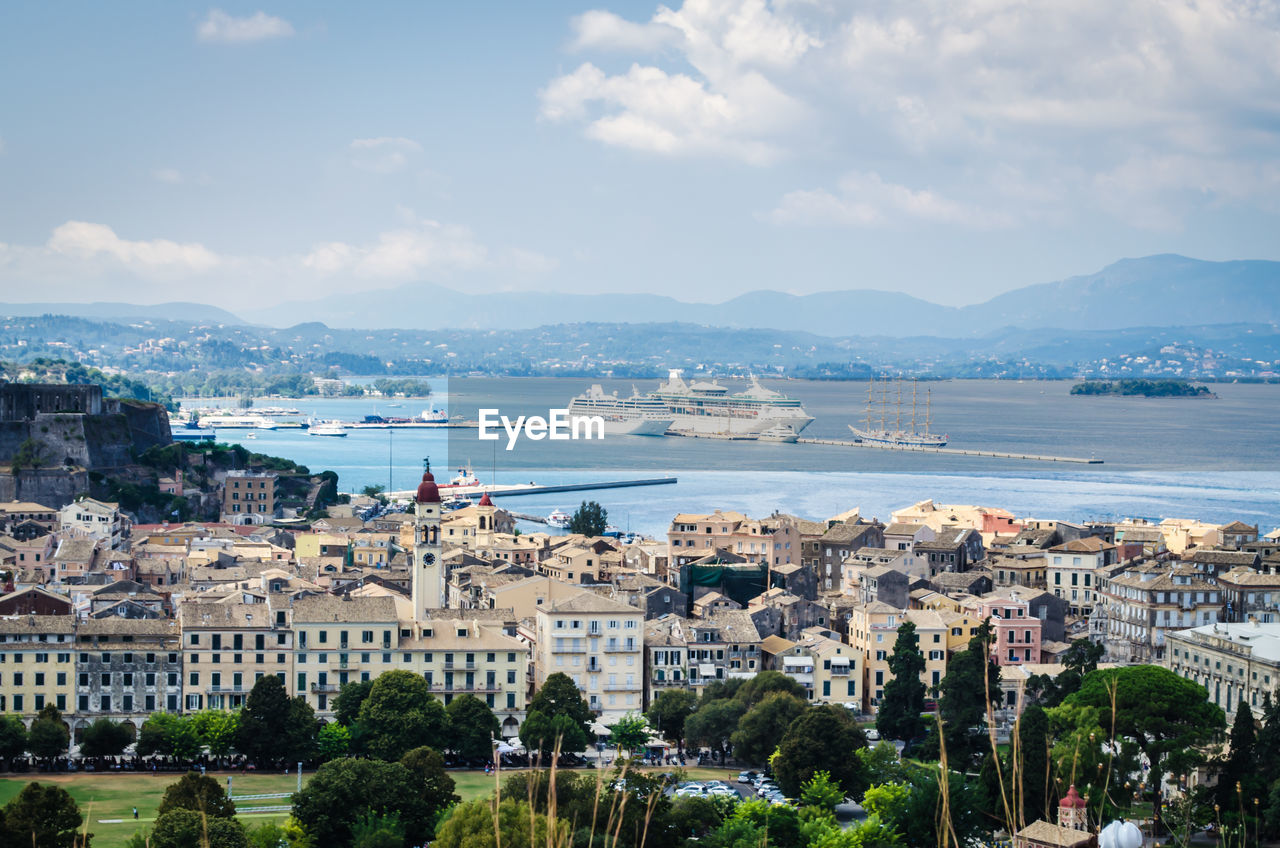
(848, 443)
(517, 489)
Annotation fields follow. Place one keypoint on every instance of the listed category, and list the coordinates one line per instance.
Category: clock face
(428, 558)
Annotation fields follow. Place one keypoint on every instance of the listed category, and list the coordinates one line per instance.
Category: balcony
(465, 666)
(668, 682)
(215, 690)
(620, 649)
(474, 688)
(621, 687)
(324, 688)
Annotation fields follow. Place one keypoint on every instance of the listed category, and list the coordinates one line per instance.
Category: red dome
(484, 500)
(427, 490)
(1073, 798)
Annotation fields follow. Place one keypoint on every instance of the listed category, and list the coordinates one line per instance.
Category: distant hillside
(1164, 290)
(196, 313)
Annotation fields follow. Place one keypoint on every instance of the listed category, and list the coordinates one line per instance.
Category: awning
(706, 670)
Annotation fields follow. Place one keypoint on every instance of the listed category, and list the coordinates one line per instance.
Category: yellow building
(873, 631)
(37, 664)
(228, 646)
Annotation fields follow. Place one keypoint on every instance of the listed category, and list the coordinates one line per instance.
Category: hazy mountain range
(1165, 290)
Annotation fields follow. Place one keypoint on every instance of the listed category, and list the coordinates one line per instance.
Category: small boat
(781, 433)
(432, 415)
(327, 428)
(559, 519)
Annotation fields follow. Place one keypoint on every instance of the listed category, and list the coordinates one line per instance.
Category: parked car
(746, 776)
(872, 734)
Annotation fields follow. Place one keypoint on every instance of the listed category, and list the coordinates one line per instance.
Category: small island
(1142, 388)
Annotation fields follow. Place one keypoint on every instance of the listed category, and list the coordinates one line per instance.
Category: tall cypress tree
(1033, 749)
(903, 701)
(1237, 777)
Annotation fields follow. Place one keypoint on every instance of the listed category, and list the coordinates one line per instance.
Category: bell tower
(428, 571)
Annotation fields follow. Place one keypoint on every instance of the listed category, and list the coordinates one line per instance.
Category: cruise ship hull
(739, 426)
(629, 426)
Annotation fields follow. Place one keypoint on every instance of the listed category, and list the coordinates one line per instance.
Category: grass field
(112, 797)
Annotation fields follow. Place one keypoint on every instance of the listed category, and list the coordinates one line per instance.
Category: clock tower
(428, 571)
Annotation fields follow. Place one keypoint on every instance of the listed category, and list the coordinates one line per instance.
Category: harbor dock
(956, 451)
(517, 489)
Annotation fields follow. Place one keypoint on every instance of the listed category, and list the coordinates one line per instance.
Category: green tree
(1033, 749)
(156, 735)
(899, 714)
(698, 815)
(435, 786)
(13, 736)
(472, 825)
(755, 689)
(43, 816)
(342, 791)
(198, 793)
(105, 738)
(346, 706)
(400, 714)
(819, 792)
(669, 711)
(714, 723)
(217, 730)
(275, 728)
(333, 741)
(762, 727)
(472, 727)
(589, 519)
(970, 688)
(1159, 711)
(823, 738)
(377, 830)
(629, 733)
(188, 829)
(559, 695)
(547, 734)
(927, 821)
(1236, 774)
(49, 736)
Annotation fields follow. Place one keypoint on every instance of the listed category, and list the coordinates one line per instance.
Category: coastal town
(110, 619)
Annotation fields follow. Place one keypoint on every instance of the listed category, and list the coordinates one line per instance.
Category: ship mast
(871, 387)
(897, 417)
(915, 386)
(884, 405)
(928, 409)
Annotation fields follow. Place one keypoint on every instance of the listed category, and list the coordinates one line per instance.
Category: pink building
(1018, 633)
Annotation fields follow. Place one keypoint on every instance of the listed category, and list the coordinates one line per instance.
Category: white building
(599, 643)
(93, 519)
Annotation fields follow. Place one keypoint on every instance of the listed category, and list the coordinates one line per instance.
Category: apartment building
(1072, 571)
(773, 541)
(93, 519)
(227, 646)
(1145, 604)
(828, 669)
(127, 669)
(873, 631)
(37, 664)
(1236, 662)
(249, 497)
(599, 643)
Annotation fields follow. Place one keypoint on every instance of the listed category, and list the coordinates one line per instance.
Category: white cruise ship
(638, 415)
(704, 408)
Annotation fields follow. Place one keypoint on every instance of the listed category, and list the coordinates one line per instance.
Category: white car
(722, 791)
(872, 734)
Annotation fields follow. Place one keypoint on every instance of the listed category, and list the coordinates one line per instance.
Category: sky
(252, 154)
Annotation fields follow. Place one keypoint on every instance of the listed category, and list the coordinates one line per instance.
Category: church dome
(428, 492)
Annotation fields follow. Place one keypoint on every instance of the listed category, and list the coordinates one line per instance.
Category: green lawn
(112, 796)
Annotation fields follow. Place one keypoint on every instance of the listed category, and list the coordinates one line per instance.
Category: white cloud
(85, 240)
(218, 26)
(865, 199)
(420, 246)
(383, 155)
(957, 90)
(728, 106)
(172, 176)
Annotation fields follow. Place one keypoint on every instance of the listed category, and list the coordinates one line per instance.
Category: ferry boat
(781, 433)
(327, 428)
(709, 408)
(559, 519)
(638, 415)
(878, 406)
(229, 421)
